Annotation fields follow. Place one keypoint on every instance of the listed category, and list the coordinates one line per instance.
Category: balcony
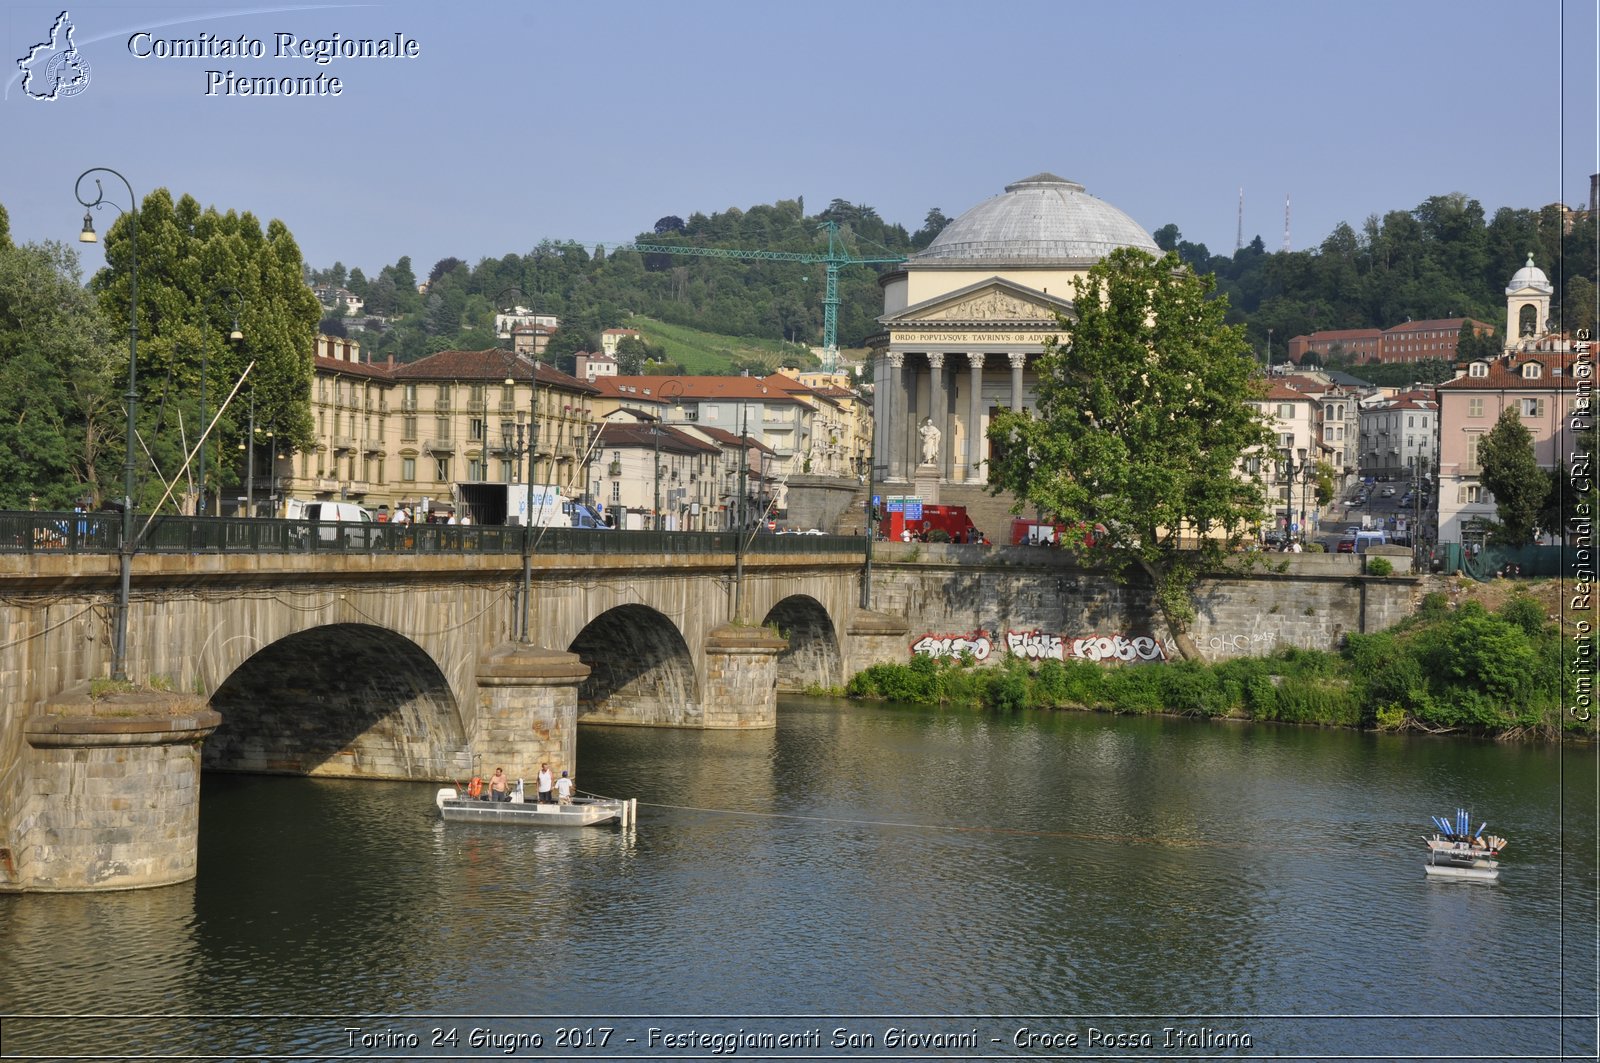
(372, 446)
(344, 443)
(439, 446)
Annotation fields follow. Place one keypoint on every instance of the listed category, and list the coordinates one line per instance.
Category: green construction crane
(835, 257)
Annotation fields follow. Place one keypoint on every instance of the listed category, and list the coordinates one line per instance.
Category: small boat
(456, 806)
(1457, 851)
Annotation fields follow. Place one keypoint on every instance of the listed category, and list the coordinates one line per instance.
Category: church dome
(1043, 218)
(1529, 276)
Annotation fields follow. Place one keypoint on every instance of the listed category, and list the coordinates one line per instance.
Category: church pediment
(989, 302)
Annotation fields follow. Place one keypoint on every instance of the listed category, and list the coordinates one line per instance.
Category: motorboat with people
(462, 805)
(1457, 851)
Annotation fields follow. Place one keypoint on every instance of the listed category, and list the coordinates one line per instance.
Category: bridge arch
(641, 670)
(812, 657)
(339, 699)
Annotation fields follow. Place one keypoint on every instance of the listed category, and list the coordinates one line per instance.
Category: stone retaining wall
(1045, 604)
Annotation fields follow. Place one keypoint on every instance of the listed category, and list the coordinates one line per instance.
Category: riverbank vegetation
(1443, 670)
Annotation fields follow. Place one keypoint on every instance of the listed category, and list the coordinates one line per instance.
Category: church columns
(938, 408)
(1018, 360)
(889, 450)
(974, 408)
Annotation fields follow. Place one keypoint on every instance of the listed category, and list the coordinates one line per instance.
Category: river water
(869, 882)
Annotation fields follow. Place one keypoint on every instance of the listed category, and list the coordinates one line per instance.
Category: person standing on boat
(546, 780)
(564, 789)
(499, 787)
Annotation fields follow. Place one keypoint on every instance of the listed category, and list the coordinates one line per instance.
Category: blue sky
(520, 121)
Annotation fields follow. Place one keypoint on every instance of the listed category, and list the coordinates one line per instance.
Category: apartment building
(390, 434)
(1409, 341)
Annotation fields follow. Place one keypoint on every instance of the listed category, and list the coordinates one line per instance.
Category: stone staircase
(991, 514)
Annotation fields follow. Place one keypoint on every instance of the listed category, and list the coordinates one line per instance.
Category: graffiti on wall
(974, 642)
(1042, 645)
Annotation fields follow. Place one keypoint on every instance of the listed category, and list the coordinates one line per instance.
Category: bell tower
(1527, 304)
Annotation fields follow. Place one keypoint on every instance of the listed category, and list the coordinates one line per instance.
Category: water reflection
(859, 859)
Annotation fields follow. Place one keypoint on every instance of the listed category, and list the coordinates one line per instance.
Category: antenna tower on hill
(1238, 240)
(1286, 221)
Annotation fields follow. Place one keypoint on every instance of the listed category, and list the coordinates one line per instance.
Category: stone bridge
(401, 665)
(380, 665)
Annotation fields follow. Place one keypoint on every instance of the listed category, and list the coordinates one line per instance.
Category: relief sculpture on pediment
(992, 306)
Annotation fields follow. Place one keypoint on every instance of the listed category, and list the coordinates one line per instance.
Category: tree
(631, 355)
(932, 226)
(1578, 305)
(60, 365)
(188, 256)
(1167, 237)
(1512, 475)
(1145, 410)
(445, 265)
(669, 224)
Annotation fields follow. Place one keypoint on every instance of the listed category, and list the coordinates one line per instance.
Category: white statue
(930, 441)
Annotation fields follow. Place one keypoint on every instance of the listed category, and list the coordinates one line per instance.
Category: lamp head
(87, 236)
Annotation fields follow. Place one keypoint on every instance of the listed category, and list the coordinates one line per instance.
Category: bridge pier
(874, 637)
(741, 687)
(527, 711)
(109, 791)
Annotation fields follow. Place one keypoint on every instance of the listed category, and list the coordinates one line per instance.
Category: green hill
(701, 352)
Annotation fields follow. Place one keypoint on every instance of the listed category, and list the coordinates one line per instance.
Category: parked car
(1346, 546)
(1387, 492)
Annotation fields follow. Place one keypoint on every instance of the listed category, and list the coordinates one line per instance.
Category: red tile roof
(670, 440)
(490, 366)
(711, 388)
(1507, 376)
(731, 439)
(370, 370)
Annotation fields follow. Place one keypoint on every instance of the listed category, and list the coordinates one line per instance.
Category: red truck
(1049, 533)
(952, 520)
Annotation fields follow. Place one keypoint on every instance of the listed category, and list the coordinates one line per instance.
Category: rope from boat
(1188, 843)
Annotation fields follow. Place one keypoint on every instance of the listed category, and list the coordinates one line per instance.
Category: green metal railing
(100, 532)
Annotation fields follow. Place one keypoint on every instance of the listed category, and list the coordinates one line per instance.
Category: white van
(327, 516)
(330, 512)
(1365, 539)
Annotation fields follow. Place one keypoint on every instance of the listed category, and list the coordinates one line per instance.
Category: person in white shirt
(564, 789)
(545, 782)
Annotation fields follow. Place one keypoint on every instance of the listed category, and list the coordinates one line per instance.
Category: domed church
(965, 320)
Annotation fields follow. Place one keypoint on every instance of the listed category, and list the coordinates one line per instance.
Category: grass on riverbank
(1461, 669)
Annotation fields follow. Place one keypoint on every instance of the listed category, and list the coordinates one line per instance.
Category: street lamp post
(1305, 493)
(234, 336)
(250, 462)
(738, 542)
(872, 509)
(525, 635)
(1288, 508)
(670, 389)
(119, 650)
